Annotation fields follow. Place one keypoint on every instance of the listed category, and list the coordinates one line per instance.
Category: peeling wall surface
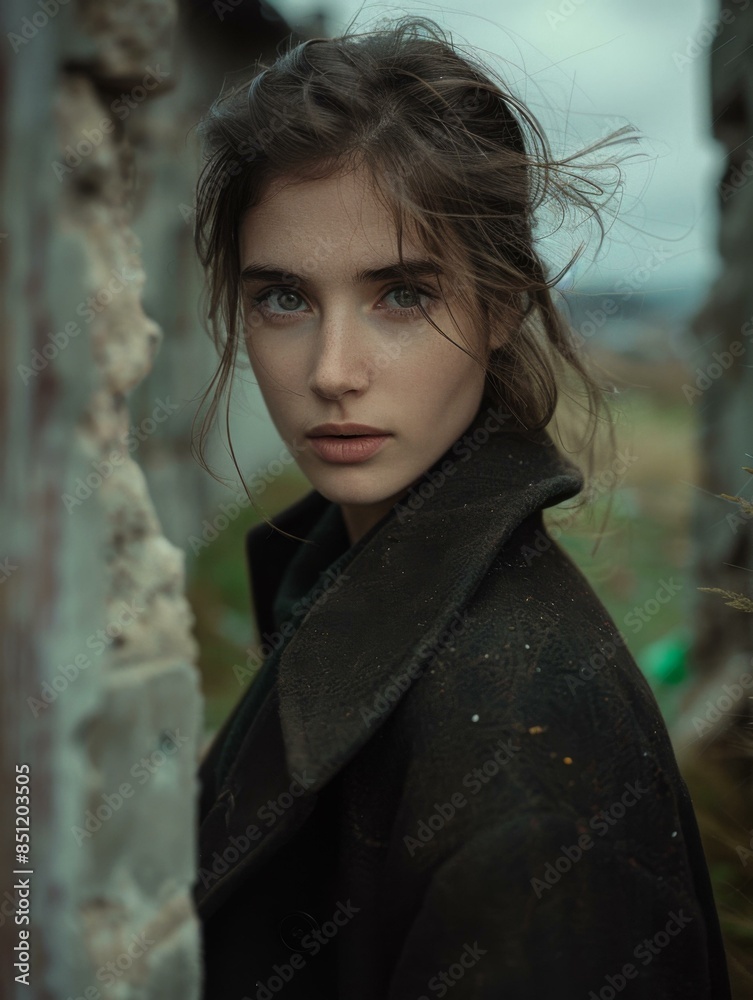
(100, 696)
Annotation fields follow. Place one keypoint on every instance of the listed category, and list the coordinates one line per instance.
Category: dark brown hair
(455, 157)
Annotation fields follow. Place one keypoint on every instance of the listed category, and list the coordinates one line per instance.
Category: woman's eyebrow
(408, 269)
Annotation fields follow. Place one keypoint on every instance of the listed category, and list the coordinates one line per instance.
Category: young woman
(449, 775)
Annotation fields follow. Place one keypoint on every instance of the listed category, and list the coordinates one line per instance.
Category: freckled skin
(336, 350)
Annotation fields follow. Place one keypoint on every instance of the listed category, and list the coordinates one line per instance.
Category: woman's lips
(348, 449)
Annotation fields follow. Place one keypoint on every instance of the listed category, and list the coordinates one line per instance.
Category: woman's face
(330, 341)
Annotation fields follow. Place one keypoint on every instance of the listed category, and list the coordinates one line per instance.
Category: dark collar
(399, 585)
(325, 544)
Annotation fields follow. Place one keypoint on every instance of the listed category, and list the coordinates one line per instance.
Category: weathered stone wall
(100, 694)
(712, 736)
(723, 389)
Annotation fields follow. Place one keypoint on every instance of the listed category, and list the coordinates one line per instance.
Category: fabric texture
(302, 581)
(457, 781)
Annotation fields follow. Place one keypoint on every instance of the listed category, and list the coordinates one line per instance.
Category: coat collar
(399, 585)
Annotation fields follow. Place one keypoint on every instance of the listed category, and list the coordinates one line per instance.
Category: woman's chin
(357, 487)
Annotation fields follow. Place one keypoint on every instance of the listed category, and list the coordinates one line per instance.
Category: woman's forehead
(342, 215)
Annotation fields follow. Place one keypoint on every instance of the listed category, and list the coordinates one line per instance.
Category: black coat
(460, 782)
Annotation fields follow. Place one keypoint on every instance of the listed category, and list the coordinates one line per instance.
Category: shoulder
(535, 678)
(536, 627)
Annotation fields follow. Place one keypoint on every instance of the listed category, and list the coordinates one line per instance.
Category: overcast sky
(585, 67)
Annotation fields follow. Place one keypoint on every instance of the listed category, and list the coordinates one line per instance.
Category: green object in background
(664, 662)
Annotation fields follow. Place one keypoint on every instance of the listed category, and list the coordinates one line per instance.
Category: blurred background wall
(101, 702)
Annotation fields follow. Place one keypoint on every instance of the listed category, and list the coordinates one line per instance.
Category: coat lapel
(400, 586)
(415, 570)
(240, 830)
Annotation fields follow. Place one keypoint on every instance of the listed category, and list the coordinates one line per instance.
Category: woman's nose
(341, 361)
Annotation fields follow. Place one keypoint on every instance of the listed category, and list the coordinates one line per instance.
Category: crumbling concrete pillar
(100, 708)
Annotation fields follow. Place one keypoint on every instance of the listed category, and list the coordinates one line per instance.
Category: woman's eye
(408, 300)
(404, 297)
(280, 303)
(287, 300)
